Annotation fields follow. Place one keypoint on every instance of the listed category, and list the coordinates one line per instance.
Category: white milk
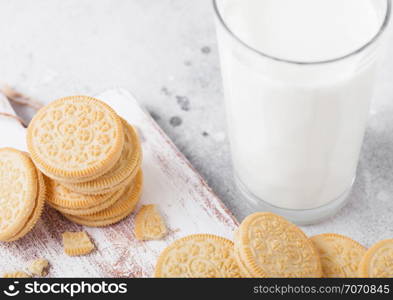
(296, 130)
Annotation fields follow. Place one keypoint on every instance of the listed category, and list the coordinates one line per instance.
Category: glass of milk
(298, 79)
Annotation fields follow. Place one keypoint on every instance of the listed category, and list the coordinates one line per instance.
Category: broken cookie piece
(39, 267)
(149, 225)
(77, 243)
(16, 274)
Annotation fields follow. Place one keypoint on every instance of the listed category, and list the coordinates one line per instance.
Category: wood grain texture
(181, 195)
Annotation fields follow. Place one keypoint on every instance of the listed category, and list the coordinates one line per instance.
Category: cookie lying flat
(377, 262)
(198, 255)
(75, 139)
(270, 246)
(77, 243)
(20, 189)
(149, 224)
(340, 255)
(121, 173)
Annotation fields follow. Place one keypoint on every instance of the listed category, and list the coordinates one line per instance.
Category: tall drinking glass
(298, 79)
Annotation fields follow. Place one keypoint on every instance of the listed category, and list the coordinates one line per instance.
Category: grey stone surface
(165, 53)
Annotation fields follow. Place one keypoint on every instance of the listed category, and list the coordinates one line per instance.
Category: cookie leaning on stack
(22, 194)
(91, 158)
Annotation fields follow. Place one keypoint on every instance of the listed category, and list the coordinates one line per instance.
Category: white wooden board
(186, 202)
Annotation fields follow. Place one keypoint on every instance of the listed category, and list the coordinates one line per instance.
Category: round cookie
(125, 168)
(37, 211)
(120, 209)
(60, 196)
(75, 139)
(340, 256)
(91, 209)
(378, 261)
(198, 256)
(270, 246)
(18, 191)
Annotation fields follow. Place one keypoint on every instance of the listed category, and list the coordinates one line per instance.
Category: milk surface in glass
(296, 126)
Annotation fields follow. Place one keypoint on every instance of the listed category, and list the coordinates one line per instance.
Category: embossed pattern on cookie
(270, 246)
(198, 256)
(125, 167)
(340, 255)
(378, 261)
(75, 139)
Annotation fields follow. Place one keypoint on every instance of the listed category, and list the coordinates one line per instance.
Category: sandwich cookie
(377, 262)
(198, 256)
(118, 211)
(75, 139)
(121, 173)
(340, 255)
(267, 245)
(22, 194)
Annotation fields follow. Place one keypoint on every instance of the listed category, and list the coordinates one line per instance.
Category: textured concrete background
(164, 52)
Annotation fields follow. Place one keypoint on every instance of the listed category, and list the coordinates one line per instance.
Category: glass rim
(318, 62)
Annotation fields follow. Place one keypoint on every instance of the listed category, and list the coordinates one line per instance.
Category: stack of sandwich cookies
(91, 158)
(69, 202)
(22, 194)
(119, 210)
